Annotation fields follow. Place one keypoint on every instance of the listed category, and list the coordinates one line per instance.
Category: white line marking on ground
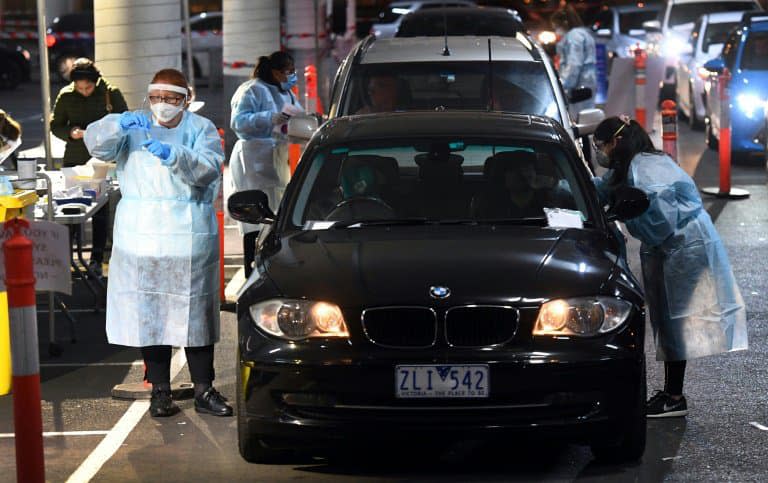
(33, 117)
(51, 434)
(114, 439)
(759, 426)
(90, 364)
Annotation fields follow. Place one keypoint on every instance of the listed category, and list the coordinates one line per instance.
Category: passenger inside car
(519, 185)
(382, 95)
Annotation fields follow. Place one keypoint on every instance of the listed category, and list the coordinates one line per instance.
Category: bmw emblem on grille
(439, 292)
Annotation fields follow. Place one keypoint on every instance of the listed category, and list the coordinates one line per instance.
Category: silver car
(620, 28)
(706, 42)
(510, 74)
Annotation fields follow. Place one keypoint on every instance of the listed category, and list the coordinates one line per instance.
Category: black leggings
(158, 361)
(674, 374)
(249, 251)
(100, 222)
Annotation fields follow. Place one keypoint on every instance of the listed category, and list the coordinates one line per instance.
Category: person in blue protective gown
(261, 108)
(577, 54)
(163, 278)
(694, 304)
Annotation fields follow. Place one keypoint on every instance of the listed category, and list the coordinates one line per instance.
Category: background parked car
(706, 42)
(745, 55)
(671, 32)
(14, 65)
(620, 28)
(430, 22)
(389, 19)
(71, 36)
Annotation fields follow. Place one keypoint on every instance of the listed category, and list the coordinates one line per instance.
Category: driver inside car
(362, 188)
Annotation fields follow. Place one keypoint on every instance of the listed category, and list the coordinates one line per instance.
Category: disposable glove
(280, 118)
(134, 120)
(161, 150)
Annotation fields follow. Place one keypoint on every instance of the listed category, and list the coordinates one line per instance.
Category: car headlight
(750, 105)
(546, 37)
(583, 316)
(299, 319)
(673, 46)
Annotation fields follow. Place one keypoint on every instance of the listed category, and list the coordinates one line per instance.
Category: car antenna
(446, 50)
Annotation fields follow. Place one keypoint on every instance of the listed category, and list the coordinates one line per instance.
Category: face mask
(164, 112)
(602, 159)
(292, 79)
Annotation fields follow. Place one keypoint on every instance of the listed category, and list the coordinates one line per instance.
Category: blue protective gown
(259, 159)
(163, 274)
(578, 64)
(694, 303)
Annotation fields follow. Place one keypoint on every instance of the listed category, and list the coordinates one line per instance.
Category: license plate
(442, 381)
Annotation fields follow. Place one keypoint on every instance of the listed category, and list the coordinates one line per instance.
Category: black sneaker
(161, 404)
(662, 405)
(95, 268)
(212, 402)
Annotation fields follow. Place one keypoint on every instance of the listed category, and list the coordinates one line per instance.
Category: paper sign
(561, 218)
(50, 256)
(8, 149)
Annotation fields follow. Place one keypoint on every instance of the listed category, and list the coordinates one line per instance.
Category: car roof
(677, 2)
(468, 10)
(398, 125)
(724, 17)
(462, 48)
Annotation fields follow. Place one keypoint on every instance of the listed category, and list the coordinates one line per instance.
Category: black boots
(212, 402)
(161, 405)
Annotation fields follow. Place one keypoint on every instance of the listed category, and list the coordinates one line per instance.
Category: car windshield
(683, 13)
(435, 180)
(755, 56)
(517, 87)
(433, 25)
(392, 13)
(717, 33)
(629, 21)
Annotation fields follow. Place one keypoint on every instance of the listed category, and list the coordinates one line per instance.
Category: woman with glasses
(695, 306)
(164, 278)
(261, 108)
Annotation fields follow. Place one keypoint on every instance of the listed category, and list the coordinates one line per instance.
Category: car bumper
(298, 401)
(745, 132)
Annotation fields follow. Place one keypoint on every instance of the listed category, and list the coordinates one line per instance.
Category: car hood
(478, 264)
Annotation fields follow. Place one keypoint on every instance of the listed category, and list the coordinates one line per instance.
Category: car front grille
(480, 326)
(402, 327)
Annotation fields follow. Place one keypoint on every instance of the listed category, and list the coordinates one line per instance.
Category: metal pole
(317, 43)
(45, 82)
(188, 41)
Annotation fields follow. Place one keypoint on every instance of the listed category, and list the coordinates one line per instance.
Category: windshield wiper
(394, 221)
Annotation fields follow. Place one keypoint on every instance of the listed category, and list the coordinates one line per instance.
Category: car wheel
(631, 445)
(64, 66)
(11, 75)
(693, 120)
(252, 448)
(711, 140)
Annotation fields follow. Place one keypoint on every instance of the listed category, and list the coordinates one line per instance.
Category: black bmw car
(439, 274)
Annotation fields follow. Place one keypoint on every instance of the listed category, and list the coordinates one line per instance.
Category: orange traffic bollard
(724, 190)
(27, 414)
(640, 59)
(311, 99)
(669, 128)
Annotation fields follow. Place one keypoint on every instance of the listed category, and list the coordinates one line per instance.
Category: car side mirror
(250, 206)
(588, 120)
(301, 128)
(652, 26)
(603, 33)
(715, 65)
(579, 94)
(628, 203)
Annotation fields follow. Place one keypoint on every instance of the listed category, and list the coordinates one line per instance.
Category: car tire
(63, 66)
(711, 139)
(11, 76)
(252, 448)
(631, 444)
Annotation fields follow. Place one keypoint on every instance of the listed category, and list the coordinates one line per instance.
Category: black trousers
(100, 222)
(158, 361)
(674, 376)
(249, 251)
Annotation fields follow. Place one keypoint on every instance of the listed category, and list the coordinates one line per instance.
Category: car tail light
(50, 40)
